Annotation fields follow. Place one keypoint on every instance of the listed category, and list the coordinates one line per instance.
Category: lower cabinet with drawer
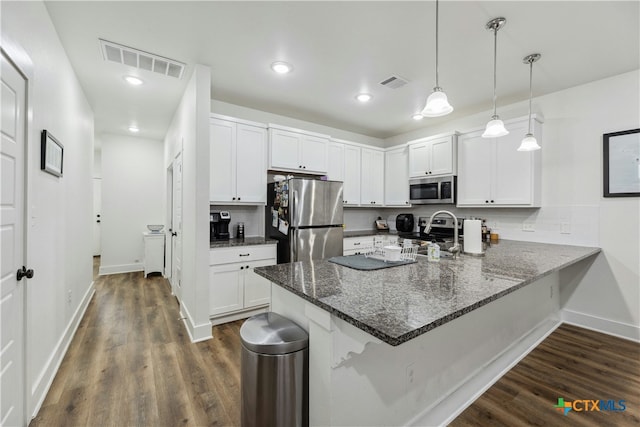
(235, 291)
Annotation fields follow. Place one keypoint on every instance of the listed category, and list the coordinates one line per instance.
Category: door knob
(23, 272)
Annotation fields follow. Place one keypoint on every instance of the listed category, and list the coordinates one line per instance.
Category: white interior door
(97, 208)
(176, 227)
(12, 240)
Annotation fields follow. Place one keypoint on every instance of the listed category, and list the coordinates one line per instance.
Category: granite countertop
(363, 233)
(400, 303)
(247, 241)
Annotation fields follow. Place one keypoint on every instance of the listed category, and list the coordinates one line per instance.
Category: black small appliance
(404, 223)
(219, 225)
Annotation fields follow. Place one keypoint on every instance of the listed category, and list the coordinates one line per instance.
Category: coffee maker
(219, 225)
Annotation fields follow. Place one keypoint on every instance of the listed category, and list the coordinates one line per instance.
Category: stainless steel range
(442, 232)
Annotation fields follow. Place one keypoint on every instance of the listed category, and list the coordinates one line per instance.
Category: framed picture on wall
(621, 163)
(51, 154)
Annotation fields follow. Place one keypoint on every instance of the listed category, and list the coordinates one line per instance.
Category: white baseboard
(197, 333)
(122, 268)
(239, 315)
(599, 324)
(43, 383)
(452, 405)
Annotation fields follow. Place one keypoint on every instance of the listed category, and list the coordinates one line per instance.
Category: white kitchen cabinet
(335, 161)
(235, 291)
(433, 156)
(491, 172)
(356, 245)
(372, 177)
(297, 151)
(396, 177)
(352, 179)
(153, 253)
(238, 162)
(344, 165)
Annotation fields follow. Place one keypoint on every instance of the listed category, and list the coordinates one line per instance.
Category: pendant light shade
(529, 142)
(495, 127)
(437, 103)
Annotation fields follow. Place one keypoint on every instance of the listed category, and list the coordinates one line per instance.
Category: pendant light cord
(530, 91)
(437, 84)
(495, 55)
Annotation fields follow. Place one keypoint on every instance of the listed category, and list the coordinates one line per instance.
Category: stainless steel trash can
(274, 372)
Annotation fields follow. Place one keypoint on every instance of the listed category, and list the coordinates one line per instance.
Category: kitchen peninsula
(409, 345)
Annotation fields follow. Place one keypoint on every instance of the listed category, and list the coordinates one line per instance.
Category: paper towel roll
(472, 236)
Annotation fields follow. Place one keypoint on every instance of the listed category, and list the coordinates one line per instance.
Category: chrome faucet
(455, 249)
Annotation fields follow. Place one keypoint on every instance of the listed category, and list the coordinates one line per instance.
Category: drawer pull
(356, 244)
(244, 254)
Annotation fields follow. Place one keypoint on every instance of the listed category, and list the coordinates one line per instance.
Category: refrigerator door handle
(293, 245)
(293, 206)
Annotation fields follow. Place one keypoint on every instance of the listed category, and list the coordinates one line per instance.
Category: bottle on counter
(433, 252)
(240, 233)
(485, 230)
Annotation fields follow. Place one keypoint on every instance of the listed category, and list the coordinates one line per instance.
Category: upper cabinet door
(335, 161)
(396, 177)
(313, 154)
(222, 175)
(419, 154)
(474, 165)
(284, 150)
(442, 156)
(351, 186)
(372, 182)
(251, 164)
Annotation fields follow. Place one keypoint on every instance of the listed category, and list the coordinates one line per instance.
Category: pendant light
(495, 127)
(437, 103)
(529, 142)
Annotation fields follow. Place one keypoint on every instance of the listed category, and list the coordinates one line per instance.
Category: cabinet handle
(406, 203)
(238, 198)
(486, 201)
(304, 167)
(241, 268)
(356, 244)
(247, 267)
(233, 198)
(492, 201)
(299, 166)
(244, 254)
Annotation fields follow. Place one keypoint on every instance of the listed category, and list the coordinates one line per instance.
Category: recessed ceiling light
(134, 81)
(134, 129)
(417, 116)
(364, 97)
(281, 67)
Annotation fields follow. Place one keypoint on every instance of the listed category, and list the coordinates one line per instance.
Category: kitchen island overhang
(387, 347)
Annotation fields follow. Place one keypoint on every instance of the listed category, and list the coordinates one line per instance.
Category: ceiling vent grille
(139, 59)
(394, 82)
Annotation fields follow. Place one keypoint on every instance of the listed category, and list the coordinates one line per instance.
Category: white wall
(189, 132)
(133, 193)
(246, 113)
(608, 296)
(59, 210)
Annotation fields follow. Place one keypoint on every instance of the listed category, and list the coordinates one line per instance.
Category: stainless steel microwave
(440, 190)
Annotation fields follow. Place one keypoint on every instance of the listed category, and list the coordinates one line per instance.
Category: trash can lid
(270, 333)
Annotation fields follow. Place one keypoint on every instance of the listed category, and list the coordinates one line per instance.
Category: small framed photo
(621, 163)
(51, 154)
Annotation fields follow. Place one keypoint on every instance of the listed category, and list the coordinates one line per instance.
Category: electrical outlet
(565, 228)
(551, 292)
(528, 226)
(410, 375)
(69, 296)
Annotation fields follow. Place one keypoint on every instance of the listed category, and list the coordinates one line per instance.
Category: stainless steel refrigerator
(305, 216)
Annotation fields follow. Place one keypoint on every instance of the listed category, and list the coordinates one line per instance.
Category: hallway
(131, 363)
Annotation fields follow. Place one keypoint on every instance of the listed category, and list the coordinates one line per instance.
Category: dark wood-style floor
(131, 364)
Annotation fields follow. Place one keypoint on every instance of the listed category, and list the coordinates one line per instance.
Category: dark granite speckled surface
(400, 303)
(247, 241)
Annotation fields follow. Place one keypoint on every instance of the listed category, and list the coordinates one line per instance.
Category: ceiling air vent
(139, 59)
(394, 82)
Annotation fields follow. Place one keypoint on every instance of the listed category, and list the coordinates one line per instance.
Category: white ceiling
(339, 49)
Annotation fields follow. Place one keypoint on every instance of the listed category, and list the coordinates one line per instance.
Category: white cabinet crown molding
(236, 120)
(301, 131)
